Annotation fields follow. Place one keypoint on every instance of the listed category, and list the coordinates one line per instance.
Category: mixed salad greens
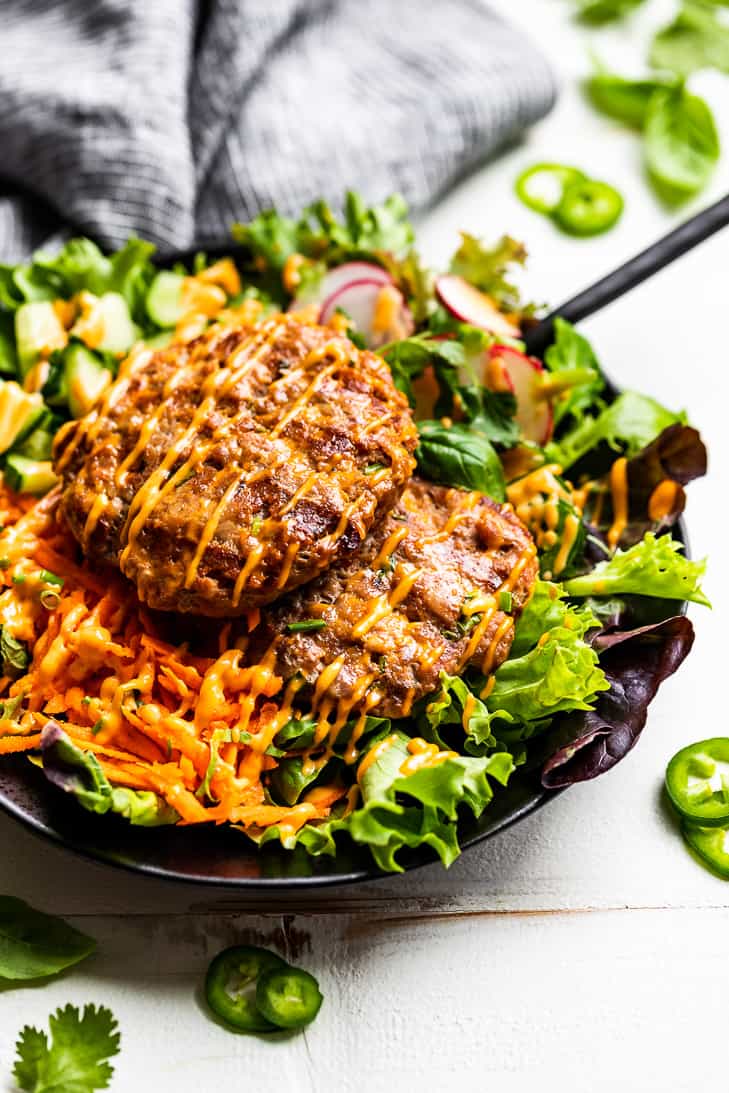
(598, 479)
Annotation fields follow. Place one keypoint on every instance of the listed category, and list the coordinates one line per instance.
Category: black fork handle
(633, 272)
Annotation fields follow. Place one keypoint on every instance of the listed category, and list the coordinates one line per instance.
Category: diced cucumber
(55, 389)
(164, 299)
(38, 443)
(86, 379)
(20, 412)
(106, 323)
(29, 475)
(120, 333)
(37, 331)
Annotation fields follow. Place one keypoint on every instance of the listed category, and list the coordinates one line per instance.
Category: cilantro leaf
(320, 235)
(13, 655)
(409, 357)
(76, 1059)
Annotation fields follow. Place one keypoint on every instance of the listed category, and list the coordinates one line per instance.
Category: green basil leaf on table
(34, 944)
(599, 12)
(620, 98)
(681, 144)
(695, 39)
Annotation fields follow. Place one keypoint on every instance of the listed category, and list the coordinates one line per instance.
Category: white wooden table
(583, 949)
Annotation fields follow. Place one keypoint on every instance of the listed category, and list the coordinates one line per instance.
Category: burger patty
(220, 473)
(422, 596)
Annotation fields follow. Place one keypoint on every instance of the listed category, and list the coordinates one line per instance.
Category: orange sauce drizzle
(662, 500)
(374, 754)
(619, 492)
(422, 754)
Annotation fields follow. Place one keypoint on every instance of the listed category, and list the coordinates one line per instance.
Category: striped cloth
(172, 118)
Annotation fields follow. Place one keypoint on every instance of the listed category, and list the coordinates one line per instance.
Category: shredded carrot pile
(193, 729)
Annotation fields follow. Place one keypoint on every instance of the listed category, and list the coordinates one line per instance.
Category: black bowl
(221, 856)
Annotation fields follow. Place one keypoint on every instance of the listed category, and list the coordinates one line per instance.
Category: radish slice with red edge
(507, 368)
(469, 305)
(378, 311)
(336, 279)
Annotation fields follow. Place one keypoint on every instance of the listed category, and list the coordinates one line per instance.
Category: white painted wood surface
(583, 949)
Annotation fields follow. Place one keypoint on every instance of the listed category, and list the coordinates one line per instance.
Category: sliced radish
(378, 311)
(523, 375)
(335, 279)
(471, 306)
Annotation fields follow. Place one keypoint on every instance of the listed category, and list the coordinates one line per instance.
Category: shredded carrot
(193, 729)
(9, 744)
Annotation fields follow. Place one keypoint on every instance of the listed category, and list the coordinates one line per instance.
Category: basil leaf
(13, 654)
(598, 12)
(695, 39)
(291, 777)
(681, 144)
(33, 944)
(459, 455)
(624, 100)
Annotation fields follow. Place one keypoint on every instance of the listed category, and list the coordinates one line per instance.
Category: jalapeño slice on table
(697, 781)
(230, 986)
(711, 844)
(541, 187)
(288, 997)
(588, 207)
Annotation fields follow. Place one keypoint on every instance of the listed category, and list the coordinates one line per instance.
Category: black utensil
(633, 272)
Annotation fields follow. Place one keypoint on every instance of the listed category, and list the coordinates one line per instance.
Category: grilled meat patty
(220, 473)
(422, 596)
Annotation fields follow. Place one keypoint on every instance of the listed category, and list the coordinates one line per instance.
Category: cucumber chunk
(86, 379)
(29, 475)
(106, 323)
(20, 413)
(164, 299)
(38, 330)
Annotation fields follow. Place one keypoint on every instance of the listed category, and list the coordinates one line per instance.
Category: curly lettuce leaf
(387, 822)
(655, 566)
(456, 704)
(546, 611)
(79, 773)
(627, 425)
(560, 673)
(399, 812)
(586, 744)
(490, 268)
